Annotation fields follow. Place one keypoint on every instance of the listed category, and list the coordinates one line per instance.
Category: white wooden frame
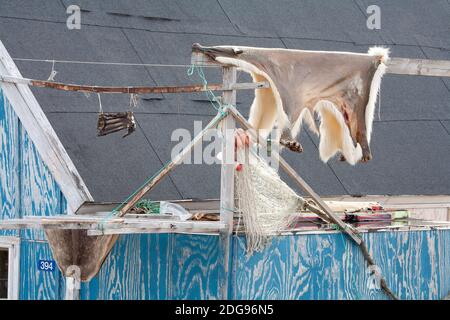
(43, 135)
(12, 244)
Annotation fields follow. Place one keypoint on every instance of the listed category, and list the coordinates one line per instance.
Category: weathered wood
(129, 89)
(43, 135)
(10, 163)
(227, 178)
(419, 67)
(73, 285)
(172, 164)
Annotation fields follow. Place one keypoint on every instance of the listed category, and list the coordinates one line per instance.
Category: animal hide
(341, 87)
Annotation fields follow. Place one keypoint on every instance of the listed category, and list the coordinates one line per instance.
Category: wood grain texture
(9, 163)
(40, 194)
(195, 266)
(416, 265)
(327, 266)
(137, 268)
(36, 284)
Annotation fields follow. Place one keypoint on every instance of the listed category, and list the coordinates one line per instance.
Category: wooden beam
(172, 164)
(227, 178)
(73, 285)
(188, 227)
(353, 233)
(419, 67)
(43, 135)
(131, 90)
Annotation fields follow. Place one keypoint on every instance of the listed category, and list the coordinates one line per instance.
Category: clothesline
(128, 64)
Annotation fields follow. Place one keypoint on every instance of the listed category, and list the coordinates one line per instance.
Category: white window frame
(12, 244)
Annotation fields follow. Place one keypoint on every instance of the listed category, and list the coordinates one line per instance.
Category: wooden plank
(419, 67)
(43, 135)
(131, 89)
(227, 179)
(171, 165)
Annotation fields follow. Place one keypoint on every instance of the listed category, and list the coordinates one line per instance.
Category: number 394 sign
(46, 265)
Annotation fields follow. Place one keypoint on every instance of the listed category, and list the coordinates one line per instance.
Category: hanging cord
(126, 64)
(100, 107)
(133, 101)
(53, 73)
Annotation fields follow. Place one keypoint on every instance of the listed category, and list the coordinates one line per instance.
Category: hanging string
(53, 73)
(133, 101)
(100, 107)
(157, 65)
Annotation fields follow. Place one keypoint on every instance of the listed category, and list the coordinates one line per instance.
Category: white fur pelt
(267, 111)
(334, 133)
(375, 86)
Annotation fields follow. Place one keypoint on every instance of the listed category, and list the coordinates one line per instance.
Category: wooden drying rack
(96, 225)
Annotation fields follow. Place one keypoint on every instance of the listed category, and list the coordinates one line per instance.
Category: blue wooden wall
(322, 266)
(162, 266)
(27, 188)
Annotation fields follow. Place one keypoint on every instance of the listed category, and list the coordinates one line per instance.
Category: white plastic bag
(175, 210)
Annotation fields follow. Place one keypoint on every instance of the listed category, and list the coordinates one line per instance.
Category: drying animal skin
(340, 87)
(111, 122)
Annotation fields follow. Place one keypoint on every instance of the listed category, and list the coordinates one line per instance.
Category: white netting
(266, 203)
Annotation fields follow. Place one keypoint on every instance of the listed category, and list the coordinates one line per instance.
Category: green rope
(213, 99)
(148, 206)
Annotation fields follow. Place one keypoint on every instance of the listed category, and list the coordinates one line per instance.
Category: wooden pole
(227, 178)
(172, 164)
(132, 90)
(73, 283)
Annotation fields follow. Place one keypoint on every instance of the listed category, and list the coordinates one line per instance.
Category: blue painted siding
(27, 188)
(162, 266)
(324, 266)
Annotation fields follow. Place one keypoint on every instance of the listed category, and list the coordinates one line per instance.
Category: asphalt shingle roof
(411, 139)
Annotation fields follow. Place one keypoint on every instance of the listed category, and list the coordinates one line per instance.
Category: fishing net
(265, 203)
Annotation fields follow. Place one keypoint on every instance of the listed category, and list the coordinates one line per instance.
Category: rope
(129, 64)
(213, 99)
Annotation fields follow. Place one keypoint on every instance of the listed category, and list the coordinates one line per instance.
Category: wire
(109, 63)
